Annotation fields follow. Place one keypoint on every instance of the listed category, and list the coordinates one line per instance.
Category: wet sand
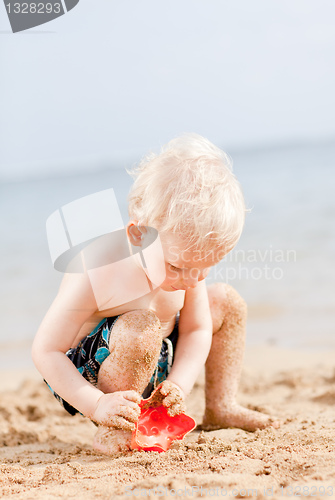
(46, 453)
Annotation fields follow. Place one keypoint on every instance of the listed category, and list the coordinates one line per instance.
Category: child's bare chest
(164, 304)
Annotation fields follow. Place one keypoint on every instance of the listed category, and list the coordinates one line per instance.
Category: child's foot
(111, 441)
(236, 416)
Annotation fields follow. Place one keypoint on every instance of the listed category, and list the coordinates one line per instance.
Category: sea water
(283, 265)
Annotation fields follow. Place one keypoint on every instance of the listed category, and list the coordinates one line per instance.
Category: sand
(46, 453)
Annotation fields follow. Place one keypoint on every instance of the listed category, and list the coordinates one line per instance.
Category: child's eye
(174, 267)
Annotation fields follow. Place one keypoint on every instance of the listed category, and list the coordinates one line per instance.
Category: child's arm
(73, 306)
(194, 339)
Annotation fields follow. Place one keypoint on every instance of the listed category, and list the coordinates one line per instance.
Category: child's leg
(224, 364)
(135, 345)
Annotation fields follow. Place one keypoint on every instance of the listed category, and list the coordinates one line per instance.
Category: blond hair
(189, 189)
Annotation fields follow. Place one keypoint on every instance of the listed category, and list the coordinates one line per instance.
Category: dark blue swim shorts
(94, 349)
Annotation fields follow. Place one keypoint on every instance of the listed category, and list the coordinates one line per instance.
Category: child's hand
(174, 399)
(118, 409)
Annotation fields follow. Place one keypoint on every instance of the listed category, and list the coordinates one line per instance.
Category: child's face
(184, 268)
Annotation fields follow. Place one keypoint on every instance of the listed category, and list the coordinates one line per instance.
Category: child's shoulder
(76, 292)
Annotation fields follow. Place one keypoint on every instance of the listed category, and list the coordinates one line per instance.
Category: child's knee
(140, 320)
(141, 329)
(235, 304)
(228, 304)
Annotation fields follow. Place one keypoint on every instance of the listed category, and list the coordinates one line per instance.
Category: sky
(110, 80)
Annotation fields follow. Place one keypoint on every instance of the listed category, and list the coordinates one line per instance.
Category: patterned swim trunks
(92, 351)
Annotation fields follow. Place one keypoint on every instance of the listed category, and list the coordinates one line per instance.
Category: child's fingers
(173, 397)
(132, 396)
(170, 400)
(124, 418)
(167, 387)
(130, 414)
(165, 390)
(176, 409)
(119, 422)
(133, 406)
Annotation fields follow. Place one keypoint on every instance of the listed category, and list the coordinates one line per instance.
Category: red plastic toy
(155, 429)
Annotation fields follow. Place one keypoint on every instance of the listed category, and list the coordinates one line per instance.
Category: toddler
(100, 352)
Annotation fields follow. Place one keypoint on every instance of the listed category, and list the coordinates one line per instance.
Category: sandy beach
(46, 453)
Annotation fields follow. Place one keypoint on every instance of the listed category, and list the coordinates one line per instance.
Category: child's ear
(134, 234)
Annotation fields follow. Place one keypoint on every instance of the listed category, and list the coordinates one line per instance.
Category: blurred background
(88, 94)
